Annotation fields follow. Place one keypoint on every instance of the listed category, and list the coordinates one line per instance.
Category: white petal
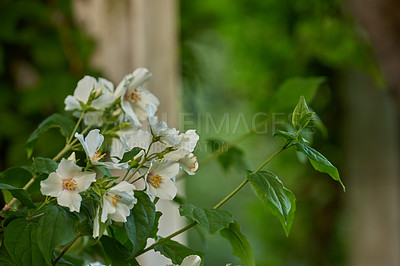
(70, 199)
(106, 83)
(127, 107)
(125, 187)
(140, 76)
(83, 180)
(71, 103)
(189, 164)
(189, 140)
(103, 101)
(122, 211)
(121, 88)
(108, 208)
(94, 140)
(96, 224)
(52, 186)
(166, 169)
(84, 88)
(72, 157)
(192, 260)
(67, 169)
(176, 155)
(81, 139)
(166, 190)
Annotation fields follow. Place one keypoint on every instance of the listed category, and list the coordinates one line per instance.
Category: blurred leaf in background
(235, 55)
(42, 56)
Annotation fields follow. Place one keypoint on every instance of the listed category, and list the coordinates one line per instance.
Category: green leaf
(276, 197)
(105, 171)
(285, 134)
(240, 245)
(44, 165)
(320, 163)
(116, 252)
(5, 258)
(130, 154)
(140, 222)
(301, 115)
(22, 242)
(20, 194)
(176, 251)
(290, 91)
(228, 155)
(64, 123)
(154, 232)
(209, 219)
(56, 228)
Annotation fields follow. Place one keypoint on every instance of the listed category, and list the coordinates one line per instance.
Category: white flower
(168, 136)
(128, 140)
(191, 260)
(183, 153)
(66, 184)
(159, 179)
(134, 97)
(91, 144)
(97, 94)
(117, 202)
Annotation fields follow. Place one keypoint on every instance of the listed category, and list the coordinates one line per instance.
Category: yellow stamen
(97, 156)
(115, 200)
(155, 179)
(133, 96)
(69, 184)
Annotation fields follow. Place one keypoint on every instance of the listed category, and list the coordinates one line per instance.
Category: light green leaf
(176, 251)
(56, 228)
(290, 91)
(276, 197)
(44, 165)
(285, 134)
(64, 123)
(240, 245)
(140, 222)
(301, 115)
(22, 242)
(209, 219)
(320, 163)
(20, 194)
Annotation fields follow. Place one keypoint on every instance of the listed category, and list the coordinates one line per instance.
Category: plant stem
(76, 127)
(167, 238)
(219, 204)
(66, 249)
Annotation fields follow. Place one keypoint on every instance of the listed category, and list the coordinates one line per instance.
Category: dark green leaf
(56, 228)
(240, 245)
(301, 115)
(116, 252)
(320, 163)
(176, 251)
(289, 92)
(154, 232)
(22, 243)
(5, 258)
(44, 165)
(209, 219)
(130, 154)
(63, 122)
(276, 197)
(20, 194)
(140, 222)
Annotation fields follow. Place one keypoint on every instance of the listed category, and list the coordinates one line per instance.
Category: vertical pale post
(139, 33)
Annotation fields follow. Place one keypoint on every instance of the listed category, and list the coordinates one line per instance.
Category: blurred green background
(234, 55)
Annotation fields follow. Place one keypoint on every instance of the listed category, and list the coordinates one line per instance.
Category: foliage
(83, 199)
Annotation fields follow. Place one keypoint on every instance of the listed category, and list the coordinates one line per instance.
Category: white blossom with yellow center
(134, 97)
(159, 179)
(66, 183)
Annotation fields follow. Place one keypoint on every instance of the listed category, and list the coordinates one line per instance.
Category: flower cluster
(123, 133)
